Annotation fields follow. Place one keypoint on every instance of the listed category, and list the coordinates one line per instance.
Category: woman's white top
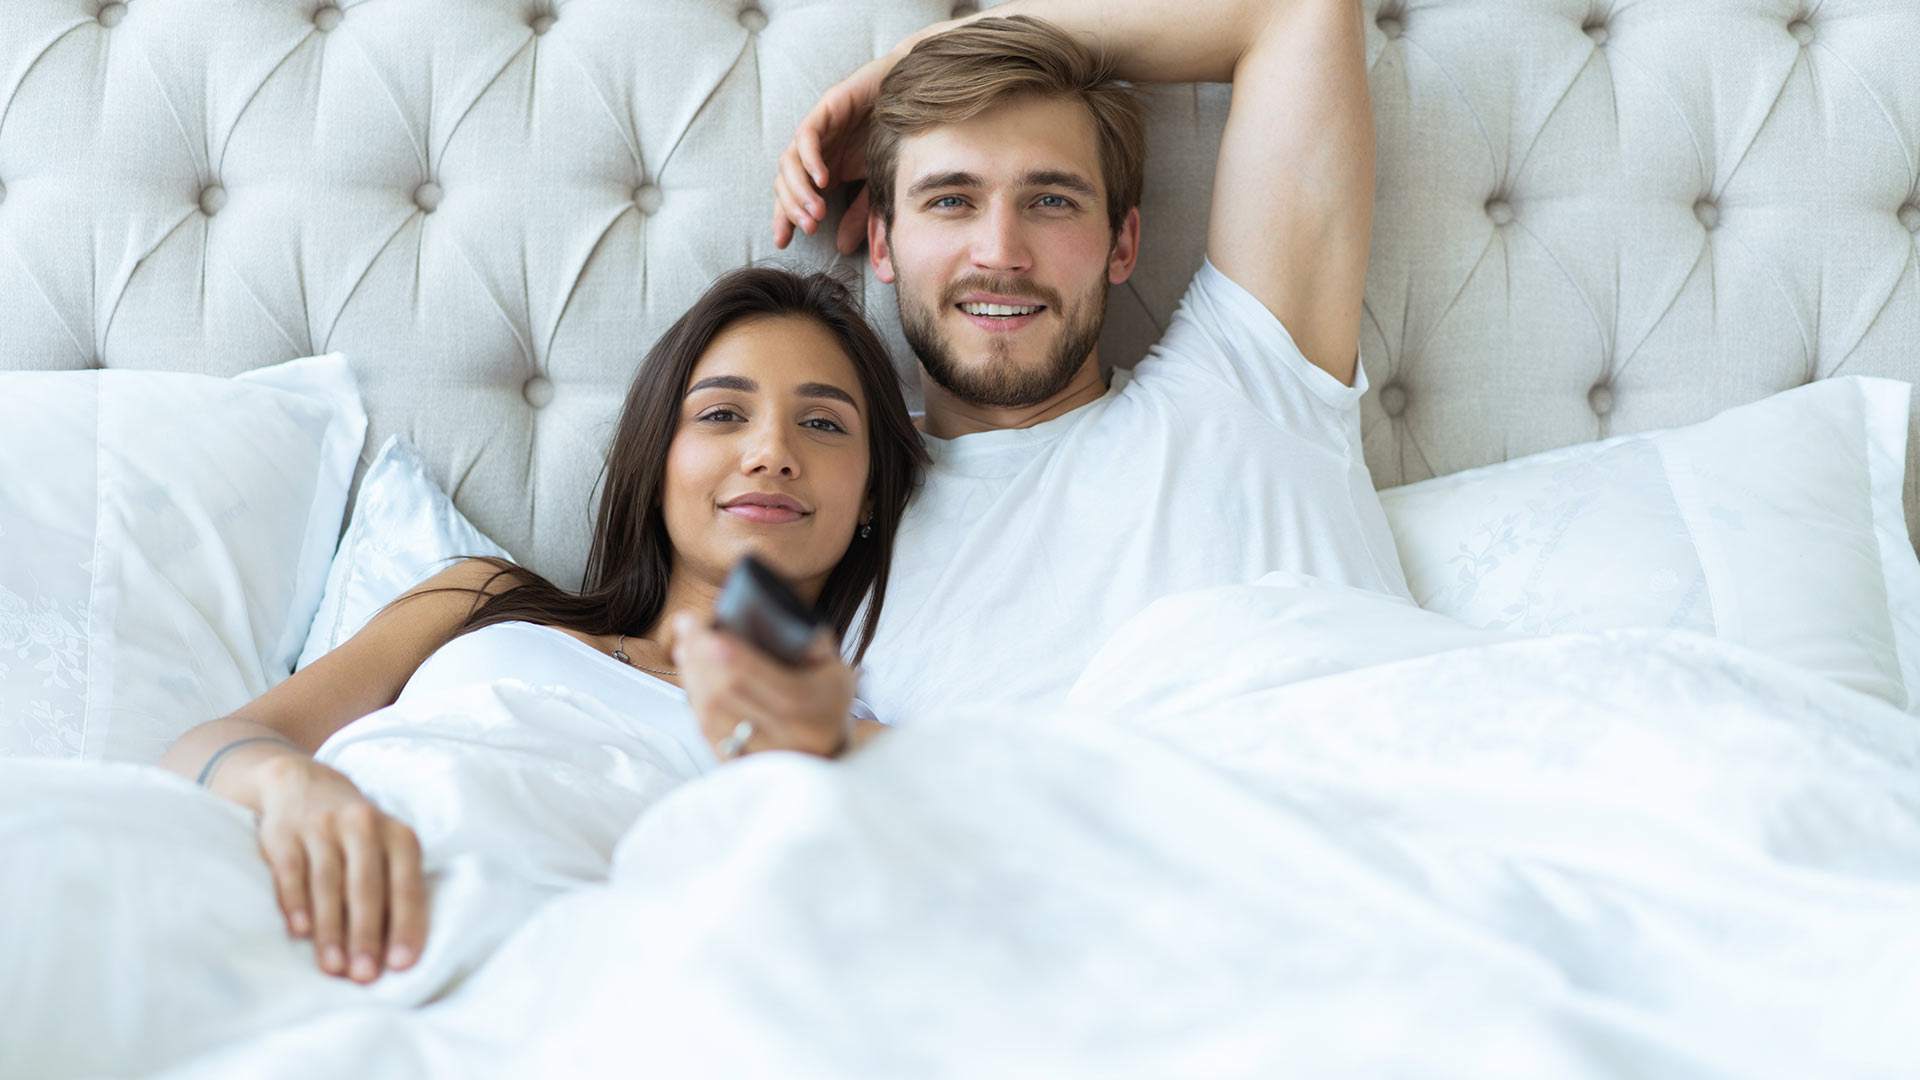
(546, 656)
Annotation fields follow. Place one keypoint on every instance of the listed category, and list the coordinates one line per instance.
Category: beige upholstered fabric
(1594, 216)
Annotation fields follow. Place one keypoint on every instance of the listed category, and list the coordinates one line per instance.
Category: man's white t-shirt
(1224, 456)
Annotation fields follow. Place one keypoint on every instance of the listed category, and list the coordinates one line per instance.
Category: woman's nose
(769, 448)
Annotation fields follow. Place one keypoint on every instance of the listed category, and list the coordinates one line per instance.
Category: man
(1003, 166)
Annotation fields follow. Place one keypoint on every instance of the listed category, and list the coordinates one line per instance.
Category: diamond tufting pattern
(1593, 216)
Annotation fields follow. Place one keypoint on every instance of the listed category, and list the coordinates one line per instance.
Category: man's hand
(806, 708)
(829, 148)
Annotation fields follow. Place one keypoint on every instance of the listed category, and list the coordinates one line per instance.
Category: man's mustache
(1000, 286)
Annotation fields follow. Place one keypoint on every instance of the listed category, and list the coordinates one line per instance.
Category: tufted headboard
(1594, 216)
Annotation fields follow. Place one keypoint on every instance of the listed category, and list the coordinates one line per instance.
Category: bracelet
(207, 770)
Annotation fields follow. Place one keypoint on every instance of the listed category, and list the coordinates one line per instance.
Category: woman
(767, 421)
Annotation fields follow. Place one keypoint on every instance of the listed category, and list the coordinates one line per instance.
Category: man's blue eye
(948, 202)
(1057, 201)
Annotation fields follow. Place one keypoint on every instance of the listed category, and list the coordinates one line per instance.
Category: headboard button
(1596, 31)
(326, 18)
(538, 391)
(427, 197)
(753, 19)
(1708, 212)
(212, 198)
(1909, 214)
(1802, 31)
(1500, 210)
(1600, 399)
(647, 198)
(1393, 399)
(111, 14)
(541, 24)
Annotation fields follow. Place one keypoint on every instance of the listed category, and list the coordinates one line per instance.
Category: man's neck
(949, 417)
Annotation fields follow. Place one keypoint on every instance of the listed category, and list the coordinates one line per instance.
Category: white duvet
(1281, 829)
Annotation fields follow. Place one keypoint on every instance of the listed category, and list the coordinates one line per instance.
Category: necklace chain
(620, 654)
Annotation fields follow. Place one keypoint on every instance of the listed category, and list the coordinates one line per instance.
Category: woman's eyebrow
(725, 382)
(827, 390)
(742, 384)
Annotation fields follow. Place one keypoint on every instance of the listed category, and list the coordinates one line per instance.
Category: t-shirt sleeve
(1222, 331)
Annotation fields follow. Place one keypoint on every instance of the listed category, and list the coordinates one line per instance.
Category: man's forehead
(1025, 138)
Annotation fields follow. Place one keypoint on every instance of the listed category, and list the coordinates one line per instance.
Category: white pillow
(404, 530)
(163, 543)
(1777, 525)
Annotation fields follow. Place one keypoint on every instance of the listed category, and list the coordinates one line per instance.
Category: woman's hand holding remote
(807, 708)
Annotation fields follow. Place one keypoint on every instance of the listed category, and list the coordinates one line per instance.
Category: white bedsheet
(1286, 829)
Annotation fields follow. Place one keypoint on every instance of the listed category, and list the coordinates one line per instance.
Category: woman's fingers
(326, 885)
(366, 889)
(407, 921)
(790, 708)
(287, 861)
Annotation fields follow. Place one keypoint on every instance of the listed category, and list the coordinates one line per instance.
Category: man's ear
(879, 254)
(1126, 249)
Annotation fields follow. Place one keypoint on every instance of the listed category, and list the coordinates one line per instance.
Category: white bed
(1637, 795)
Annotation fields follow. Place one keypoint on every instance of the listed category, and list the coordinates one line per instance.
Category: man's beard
(1001, 382)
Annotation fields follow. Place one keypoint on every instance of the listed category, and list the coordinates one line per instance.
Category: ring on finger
(731, 746)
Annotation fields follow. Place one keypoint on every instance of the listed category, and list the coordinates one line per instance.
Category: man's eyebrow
(827, 390)
(725, 382)
(1058, 178)
(950, 179)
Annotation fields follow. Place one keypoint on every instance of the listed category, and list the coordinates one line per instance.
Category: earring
(866, 527)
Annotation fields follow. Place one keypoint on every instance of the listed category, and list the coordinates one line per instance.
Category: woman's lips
(764, 515)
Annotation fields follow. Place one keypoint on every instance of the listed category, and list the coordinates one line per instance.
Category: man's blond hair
(955, 76)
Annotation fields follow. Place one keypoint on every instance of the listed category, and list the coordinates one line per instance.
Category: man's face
(1001, 251)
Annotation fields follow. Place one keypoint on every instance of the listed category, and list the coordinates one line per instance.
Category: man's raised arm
(1293, 191)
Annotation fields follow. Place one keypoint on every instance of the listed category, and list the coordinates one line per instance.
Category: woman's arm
(343, 871)
(366, 672)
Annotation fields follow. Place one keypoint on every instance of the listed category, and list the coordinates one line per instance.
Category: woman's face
(771, 454)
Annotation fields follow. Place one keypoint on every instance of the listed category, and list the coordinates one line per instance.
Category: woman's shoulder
(478, 575)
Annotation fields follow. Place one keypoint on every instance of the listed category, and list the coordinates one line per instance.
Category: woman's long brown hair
(625, 587)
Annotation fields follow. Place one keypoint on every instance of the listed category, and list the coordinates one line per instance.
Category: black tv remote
(755, 604)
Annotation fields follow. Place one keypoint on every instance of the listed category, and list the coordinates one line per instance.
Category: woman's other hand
(344, 872)
(806, 708)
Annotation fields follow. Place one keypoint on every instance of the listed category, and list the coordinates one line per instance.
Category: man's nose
(1000, 241)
